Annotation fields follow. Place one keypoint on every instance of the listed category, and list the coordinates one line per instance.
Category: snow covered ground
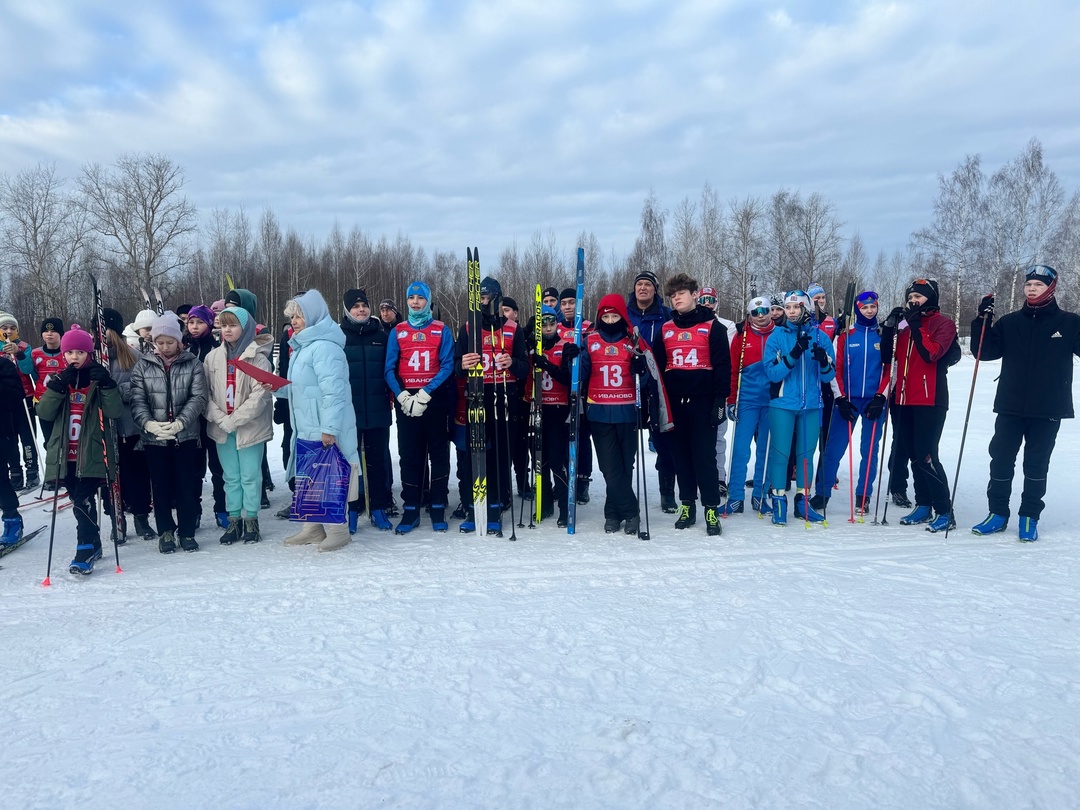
(853, 666)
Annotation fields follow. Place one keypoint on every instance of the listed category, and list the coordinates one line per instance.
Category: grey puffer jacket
(164, 395)
(125, 425)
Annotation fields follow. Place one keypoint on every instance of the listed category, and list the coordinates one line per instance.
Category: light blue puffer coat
(320, 400)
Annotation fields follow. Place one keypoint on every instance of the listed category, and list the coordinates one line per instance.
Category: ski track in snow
(853, 666)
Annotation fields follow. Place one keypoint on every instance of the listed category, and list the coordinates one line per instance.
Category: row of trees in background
(132, 225)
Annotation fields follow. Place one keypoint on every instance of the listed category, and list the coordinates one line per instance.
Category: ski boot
(354, 521)
(942, 523)
(806, 510)
(1029, 529)
(16, 477)
(251, 531)
(991, 524)
(900, 499)
(222, 519)
(13, 531)
(564, 517)
(761, 506)
(668, 504)
(494, 519)
(779, 510)
(380, 521)
(819, 503)
(862, 504)
(731, 508)
(611, 525)
(438, 517)
(687, 515)
(582, 490)
(166, 543)
(920, 514)
(33, 479)
(460, 513)
(143, 529)
(410, 519)
(234, 533)
(712, 522)
(86, 554)
(469, 523)
(188, 544)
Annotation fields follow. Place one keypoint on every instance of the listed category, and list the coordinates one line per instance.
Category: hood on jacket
(318, 325)
(244, 299)
(615, 302)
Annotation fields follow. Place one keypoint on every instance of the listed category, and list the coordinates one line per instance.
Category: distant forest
(132, 225)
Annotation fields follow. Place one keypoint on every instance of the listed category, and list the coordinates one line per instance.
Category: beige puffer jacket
(252, 419)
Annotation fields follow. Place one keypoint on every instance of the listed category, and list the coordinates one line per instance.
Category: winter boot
(611, 525)
(143, 528)
(779, 510)
(33, 479)
(166, 543)
(806, 510)
(582, 490)
(469, 523)
(354, 521)
(309, 533)
(1029, 529)
(284, 512)
(337, 535)
(188, 544)
(392, 510)
(761, 506)
(494, 519)
(264, 501)
(564, 517)
(233, 533)
(410, 519)
(862, 504)
(632, 525)
(17, 481)
(438, 517)
(251, 530)
(712, 522)
(86, 554)
(460, 513)
(819, 503)
(13, 531)
(731, 508)
(942, 523)
(668, 504)
(920, 514)
(900, 499)
(380, 521)
(687, 515)
(991, 525)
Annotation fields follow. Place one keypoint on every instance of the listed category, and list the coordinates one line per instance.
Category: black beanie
(113, 320)
(550, 292)
(649, 276)
(183, 309)
(510, 302)
(52, 325)
(927, 288)
(569, 292)
(351, 297)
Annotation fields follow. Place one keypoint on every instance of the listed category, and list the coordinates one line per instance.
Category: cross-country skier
(554, 362)
(1036, 345)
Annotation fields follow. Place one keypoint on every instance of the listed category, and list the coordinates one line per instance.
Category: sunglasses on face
(757, 313)
(548, 320)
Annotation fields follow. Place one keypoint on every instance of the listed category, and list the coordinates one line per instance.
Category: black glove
(875, 406)
(638, 365)
(847, 410)
(841, 322)
(570, 351)
(892, 320)
(718, 413)
(281, 411)
(820, 355)
(62, 382)
(913, 316)
(802, 343)
(99, 374)
(986, 306)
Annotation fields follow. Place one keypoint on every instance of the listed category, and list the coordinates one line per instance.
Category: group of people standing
(185, 397)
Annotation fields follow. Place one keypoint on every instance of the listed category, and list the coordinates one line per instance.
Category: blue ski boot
(779, 510)
(494, 523)
(469, 523)
(410, 519)
(806, 511)
(761, 506)
(438, 518)
(86, 554)
(13, 531)
(354, 521)
(942, 523)
(730, 508)
(992, 524)
(380, 521)
(920, 514)
(222, 519)
(1029, 529)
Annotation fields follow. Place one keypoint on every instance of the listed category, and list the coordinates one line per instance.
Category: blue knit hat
(419, 288)
(241, 314)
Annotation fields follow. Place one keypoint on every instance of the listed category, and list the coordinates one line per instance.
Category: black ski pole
(60, 452)
(967, 416)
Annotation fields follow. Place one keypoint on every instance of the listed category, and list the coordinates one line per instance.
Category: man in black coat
(1036, 345)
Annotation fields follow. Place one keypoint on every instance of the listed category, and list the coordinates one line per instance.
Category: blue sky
(481, 122)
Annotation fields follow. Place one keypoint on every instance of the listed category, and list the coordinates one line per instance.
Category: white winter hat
(144, 319)
(166, 324)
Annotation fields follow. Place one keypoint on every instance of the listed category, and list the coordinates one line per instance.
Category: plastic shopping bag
(322, 483)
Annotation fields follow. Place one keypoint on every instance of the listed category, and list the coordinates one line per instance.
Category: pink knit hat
(75, 339)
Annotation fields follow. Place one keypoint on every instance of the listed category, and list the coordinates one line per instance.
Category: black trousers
(616, 448)
(82, 492)
(555, 455)
(584, 448)
(375, 443)
(918, 432)
(898, 461)
(210, 460)
(135, 476)
(521, 439)
(9, 500)
(420, 439)
(1039, 437)
(694, 446)
(172, 469)
(21, 419)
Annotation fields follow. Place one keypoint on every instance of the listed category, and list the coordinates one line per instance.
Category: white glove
(405, 400)
(174, 428)
(420, 402)
(159, 430)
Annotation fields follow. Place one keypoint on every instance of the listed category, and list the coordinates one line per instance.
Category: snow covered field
(853, 666)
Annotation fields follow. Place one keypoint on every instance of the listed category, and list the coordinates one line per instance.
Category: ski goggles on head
(866, 298)
(707, 299)
(1042, 272)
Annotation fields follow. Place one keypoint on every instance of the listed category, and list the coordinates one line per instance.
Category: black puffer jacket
(1036, 347)
(365, 349)
(164, 396)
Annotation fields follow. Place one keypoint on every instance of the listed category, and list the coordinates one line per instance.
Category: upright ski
(109, 435)
(474, 396)
(575, 400)
(535, 411)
